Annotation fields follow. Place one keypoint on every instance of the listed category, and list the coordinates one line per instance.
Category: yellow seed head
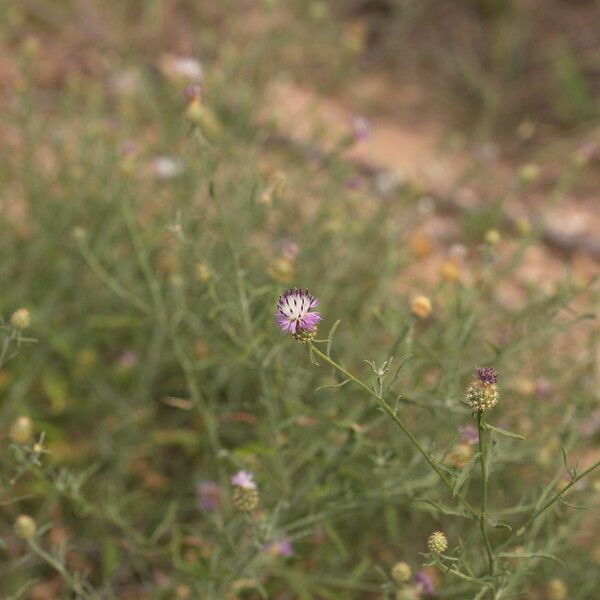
(21, 430)
(25, 527)
(437, 542)
(401, 572)
(20, 319)
(421, 307)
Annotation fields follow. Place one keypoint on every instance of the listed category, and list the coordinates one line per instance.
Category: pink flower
(244, 479)
(294, 313)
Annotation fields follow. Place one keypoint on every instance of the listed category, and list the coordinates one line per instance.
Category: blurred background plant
(168, 169)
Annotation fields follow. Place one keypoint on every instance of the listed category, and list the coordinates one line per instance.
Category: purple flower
(425, 583)
(244, 479)
(279, 548)
(360, 128)
(487, 375)
(469, 434)
(293, 312)
(209, 495)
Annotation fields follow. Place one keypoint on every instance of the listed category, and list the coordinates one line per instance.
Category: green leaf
(466, 471)
(505, 432)
(498, 524)
(330, 336)
(530, 555)
(447, 510)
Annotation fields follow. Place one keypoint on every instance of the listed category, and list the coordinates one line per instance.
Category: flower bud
(401, 572)
(21, 430)
(437, 542)
(421, 307)
(482, 393)
(244, 499)
(25, 527)
(20, 319)
(245, 494)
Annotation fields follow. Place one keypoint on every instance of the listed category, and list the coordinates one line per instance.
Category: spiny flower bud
(21, 430)
(482, 393)
(245, 494)
(421, 307)
(245, 500)
(401, 572)
(25, 527)
(20, 319)
(437, 542)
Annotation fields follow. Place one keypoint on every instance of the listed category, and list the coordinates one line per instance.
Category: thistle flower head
(294, 314)
(25, 527)
(421, 307)
(437, 542)
(482, 393)
(20, 319)
(21, 430)
(245, 494)
(401, 572)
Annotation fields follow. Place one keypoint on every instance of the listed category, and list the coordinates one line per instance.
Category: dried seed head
(21, 430)
(437, 542)
(25, 527)
(401, 572)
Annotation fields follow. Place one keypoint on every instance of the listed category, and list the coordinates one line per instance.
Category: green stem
(484, 490)
(392, 414)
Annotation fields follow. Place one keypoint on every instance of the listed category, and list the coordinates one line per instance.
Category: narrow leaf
(464, 474)
(505, 432)
(330, 336)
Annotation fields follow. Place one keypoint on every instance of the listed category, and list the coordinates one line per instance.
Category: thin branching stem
(398, 421)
